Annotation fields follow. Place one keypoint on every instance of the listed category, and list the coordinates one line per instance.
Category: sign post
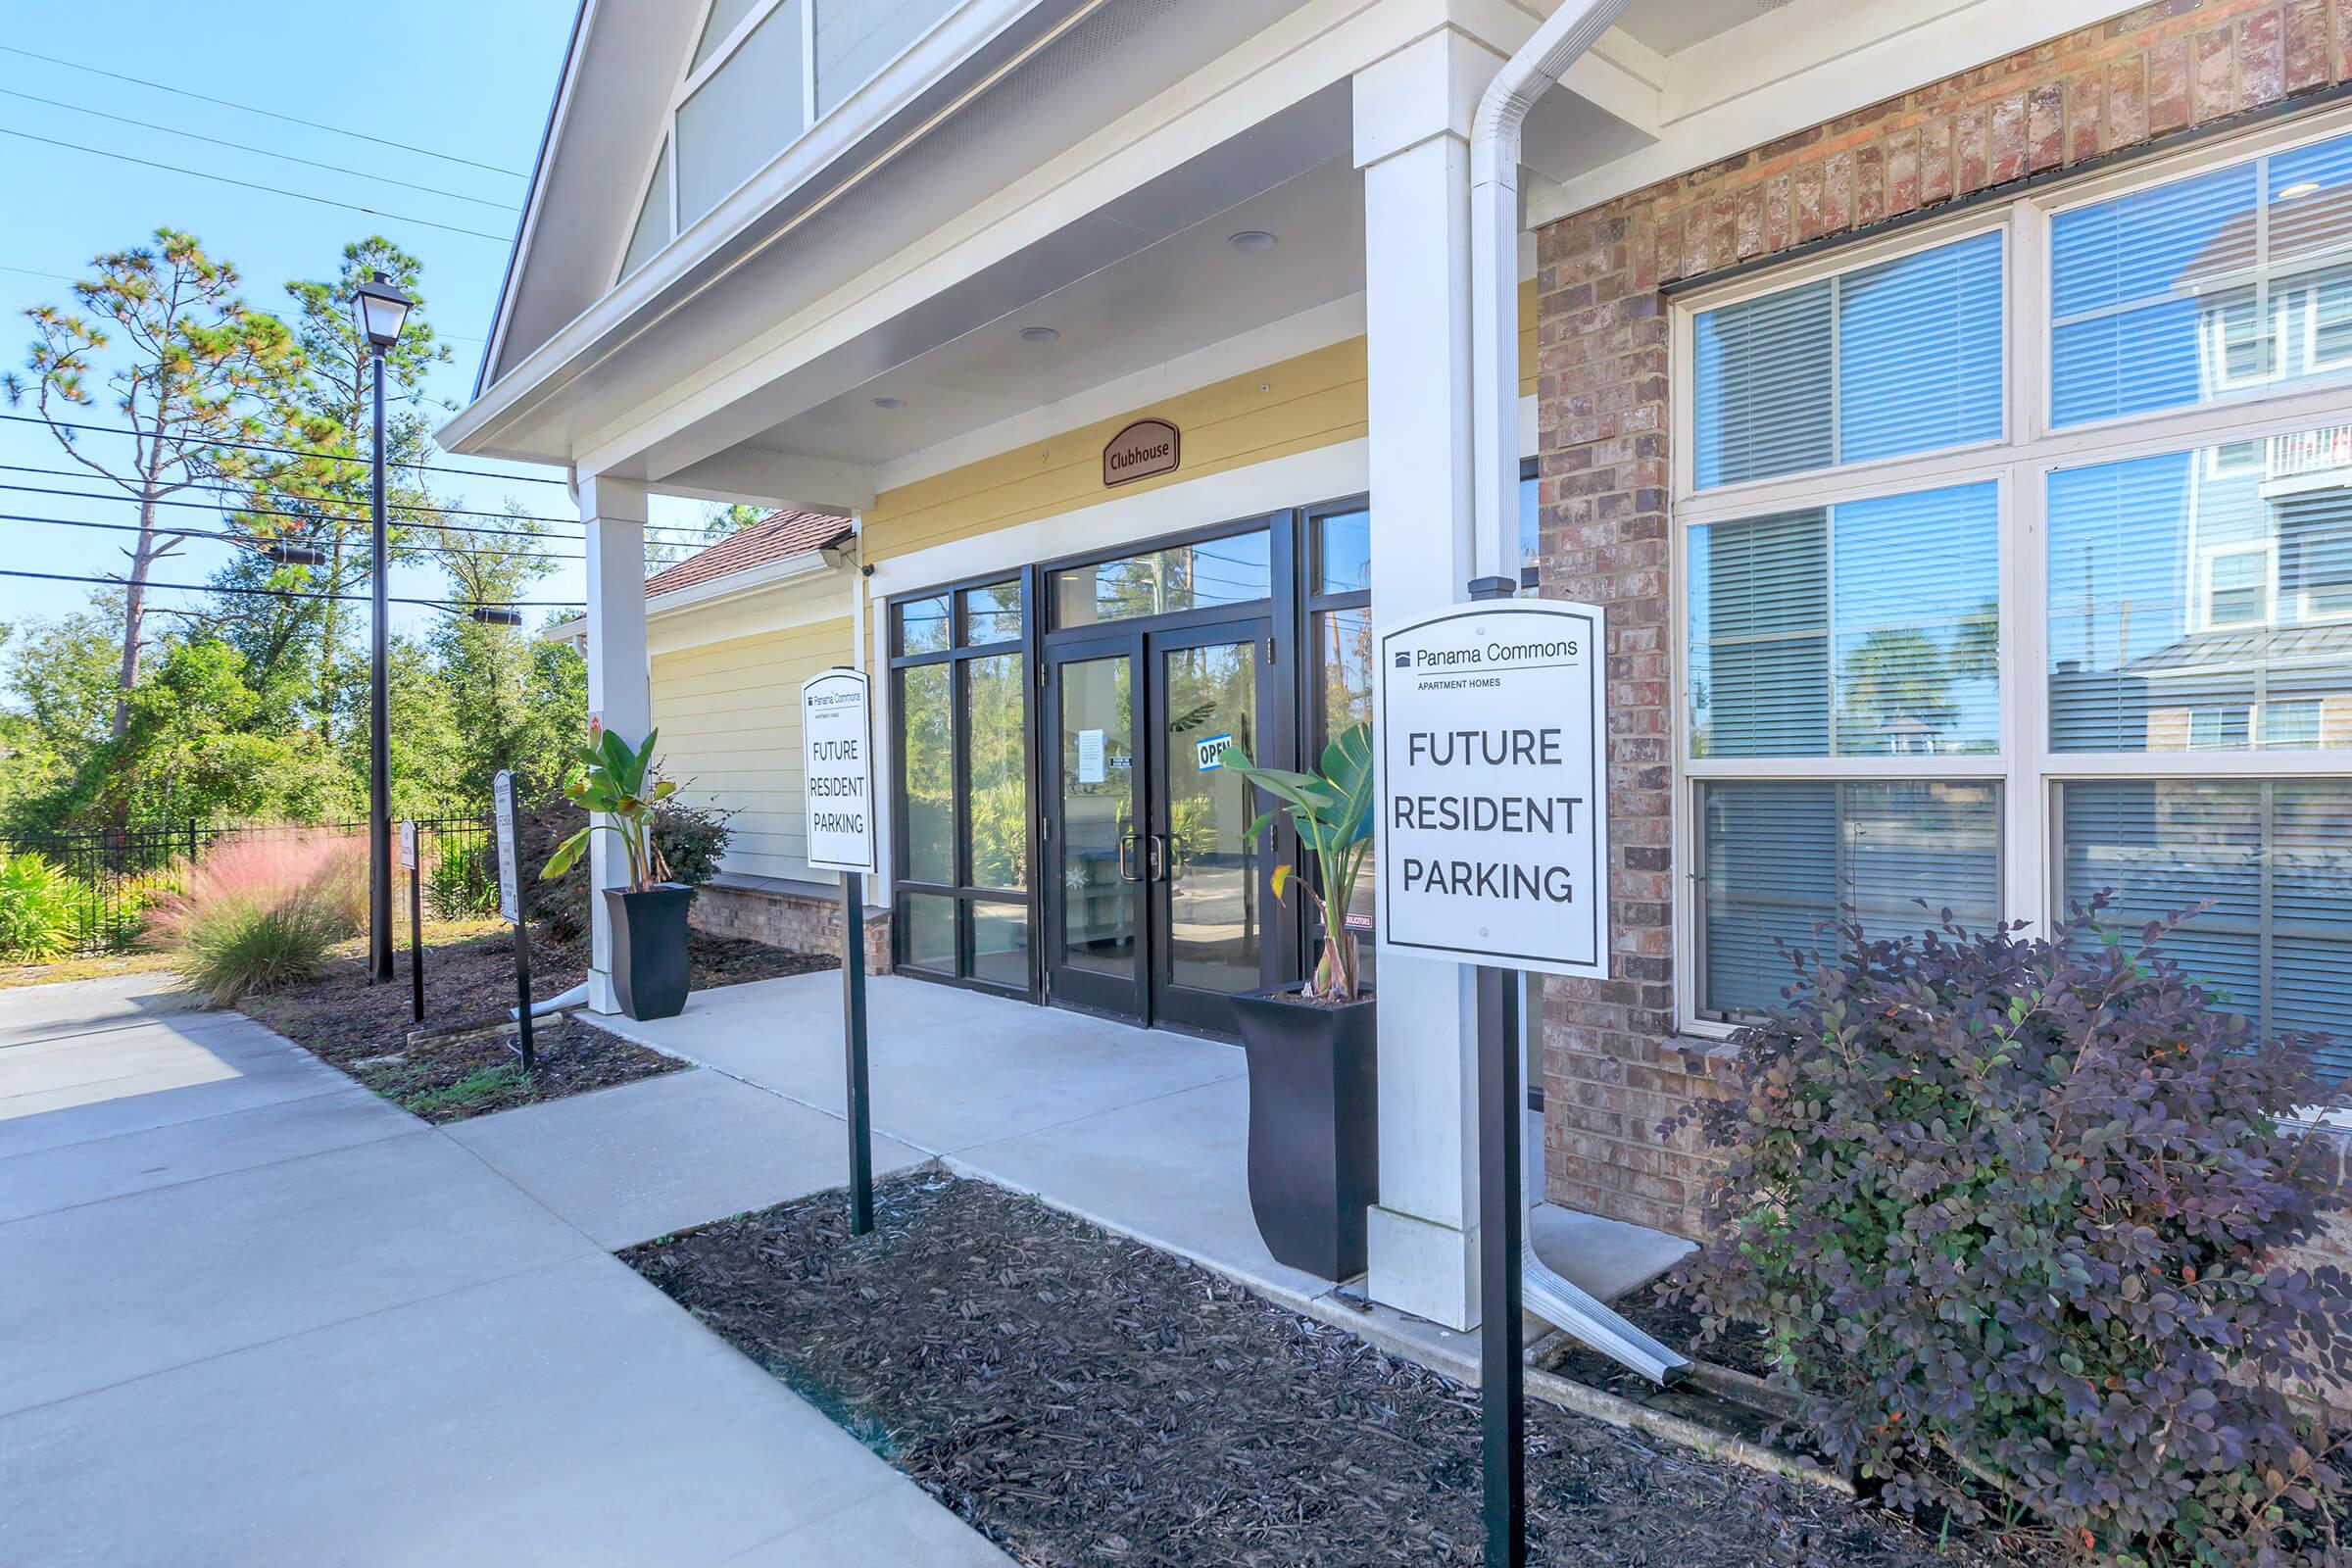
(1492, 851)
(407, 858)
(509, 905)
(836, 751)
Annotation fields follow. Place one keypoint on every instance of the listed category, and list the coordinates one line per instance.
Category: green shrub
(38, 905)
(689, 838)
(462, 883)
(237, 949)
(2021, 1219)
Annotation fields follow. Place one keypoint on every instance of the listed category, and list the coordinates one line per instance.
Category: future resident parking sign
(836, 751)
(1493, 840)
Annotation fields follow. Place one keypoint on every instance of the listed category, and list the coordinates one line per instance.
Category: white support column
(1412, 115)
(620, 681)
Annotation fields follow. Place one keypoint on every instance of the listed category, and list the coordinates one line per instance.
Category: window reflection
(1232, 570)
(2204, 600)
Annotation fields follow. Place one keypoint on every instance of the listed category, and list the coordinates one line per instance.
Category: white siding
(729, 714)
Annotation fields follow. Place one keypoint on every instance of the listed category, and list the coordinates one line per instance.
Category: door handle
(1127, 841)
(1160, 857)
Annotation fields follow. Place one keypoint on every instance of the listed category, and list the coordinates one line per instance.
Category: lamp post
(378, 310)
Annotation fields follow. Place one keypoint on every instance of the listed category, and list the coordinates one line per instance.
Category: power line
(307, 516)
(248, 184)
(292, 451)
(257, 541)
(288, 593)
(320, 515)
(292, 119)
(265, 152)
(31, 273)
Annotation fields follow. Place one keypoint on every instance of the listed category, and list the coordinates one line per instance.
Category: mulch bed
(1082, 1398)
(364, 1028)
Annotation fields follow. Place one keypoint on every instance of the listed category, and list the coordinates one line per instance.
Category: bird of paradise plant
(1332, 809)
(619, 790)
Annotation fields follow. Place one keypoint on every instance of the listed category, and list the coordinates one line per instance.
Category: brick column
(1610, 1072)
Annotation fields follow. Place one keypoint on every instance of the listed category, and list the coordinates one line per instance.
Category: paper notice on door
(1089, 756)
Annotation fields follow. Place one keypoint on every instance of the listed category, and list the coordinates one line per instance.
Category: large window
(761, 72)
(962, 781)
(2016, 561)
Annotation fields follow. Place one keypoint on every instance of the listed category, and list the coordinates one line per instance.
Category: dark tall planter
(1314, 1128)
(648, 948)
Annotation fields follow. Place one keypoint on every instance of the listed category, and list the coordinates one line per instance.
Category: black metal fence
(114, 877)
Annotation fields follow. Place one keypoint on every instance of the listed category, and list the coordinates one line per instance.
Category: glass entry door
(1206, 871)
(1156, 892)
(1095, 855)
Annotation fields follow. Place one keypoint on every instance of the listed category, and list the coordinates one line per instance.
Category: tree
(718, 522)
(329, 486)
(195, 368)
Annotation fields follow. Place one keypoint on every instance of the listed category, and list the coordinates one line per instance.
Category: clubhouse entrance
(1109, 692)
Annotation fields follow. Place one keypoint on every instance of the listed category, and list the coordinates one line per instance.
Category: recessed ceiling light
(2300, 188)
(1038, 334)
(890, 403)
(1252, 241)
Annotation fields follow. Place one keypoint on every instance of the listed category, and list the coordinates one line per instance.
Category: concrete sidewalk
(1142, 1131)
(256, 1315)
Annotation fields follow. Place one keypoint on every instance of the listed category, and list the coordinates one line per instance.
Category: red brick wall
(1612, 1068)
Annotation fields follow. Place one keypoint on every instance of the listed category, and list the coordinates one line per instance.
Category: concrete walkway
(253, 1314)
(1142, 1131)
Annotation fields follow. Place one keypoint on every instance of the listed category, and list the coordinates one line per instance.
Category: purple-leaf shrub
(2019, 1218)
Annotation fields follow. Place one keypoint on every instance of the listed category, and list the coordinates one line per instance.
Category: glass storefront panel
(927, 772)
(997, 785)
(1232, 570)
(992, 614)
(1000, 944)
(929, 921)
(923, 626)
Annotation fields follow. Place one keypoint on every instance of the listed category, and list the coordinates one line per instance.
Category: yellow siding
(729, 714)
(1301, 404)
(1312, 401)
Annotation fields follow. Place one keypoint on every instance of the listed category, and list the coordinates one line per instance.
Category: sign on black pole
(837, 753)
(1492, 851)
(509, 905)
(407, 859)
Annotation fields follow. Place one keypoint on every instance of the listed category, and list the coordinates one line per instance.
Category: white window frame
(690, 78)
(2019, 463)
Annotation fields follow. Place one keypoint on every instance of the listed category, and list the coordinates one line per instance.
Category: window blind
(2199, 601)
(1785, 857)
(1901, 357)
(2215, 284)
(2266, 864)
(1868, 628)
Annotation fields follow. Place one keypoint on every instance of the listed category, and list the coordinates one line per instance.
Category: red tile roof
(773, 538)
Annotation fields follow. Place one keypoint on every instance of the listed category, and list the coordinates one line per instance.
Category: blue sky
(456, 76)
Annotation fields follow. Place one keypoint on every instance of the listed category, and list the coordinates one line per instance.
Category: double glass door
(1157, 896)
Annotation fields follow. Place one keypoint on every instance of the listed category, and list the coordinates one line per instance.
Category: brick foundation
(1612, 1066)
(795, 916)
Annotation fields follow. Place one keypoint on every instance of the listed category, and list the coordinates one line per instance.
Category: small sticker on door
(1211, 750)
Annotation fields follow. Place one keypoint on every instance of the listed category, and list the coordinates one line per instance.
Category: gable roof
(773, 538)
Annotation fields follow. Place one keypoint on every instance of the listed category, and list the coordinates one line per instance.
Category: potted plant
(618, 789)
(1314, 1113)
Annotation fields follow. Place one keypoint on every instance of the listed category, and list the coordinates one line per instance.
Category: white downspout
(1494, 144)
